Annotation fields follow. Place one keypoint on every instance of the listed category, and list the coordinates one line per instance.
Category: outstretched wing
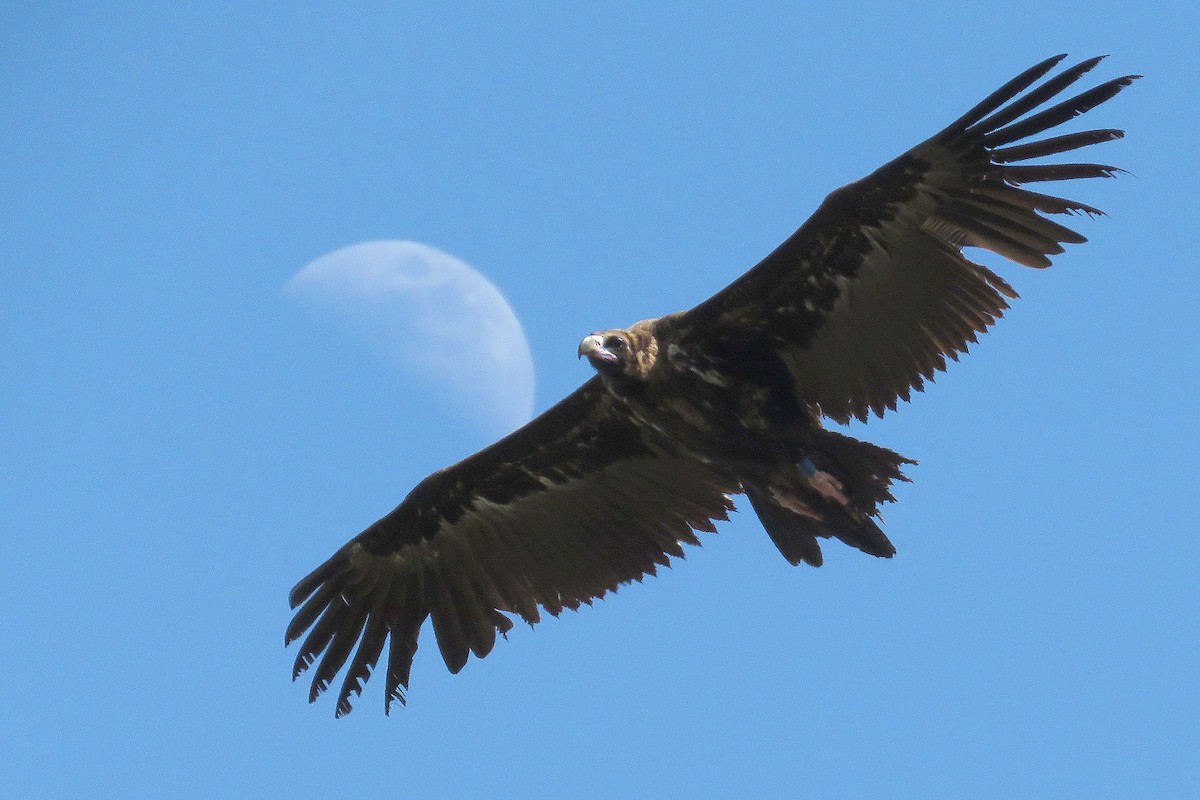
(560, 512)
(867, 299)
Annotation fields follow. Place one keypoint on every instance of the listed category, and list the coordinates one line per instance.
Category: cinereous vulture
(855, 310)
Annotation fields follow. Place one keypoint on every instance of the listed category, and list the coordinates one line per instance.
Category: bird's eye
(614, 343)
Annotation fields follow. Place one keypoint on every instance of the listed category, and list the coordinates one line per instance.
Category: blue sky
(183, 442)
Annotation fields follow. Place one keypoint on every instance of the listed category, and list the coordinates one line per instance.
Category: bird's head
(621, 353)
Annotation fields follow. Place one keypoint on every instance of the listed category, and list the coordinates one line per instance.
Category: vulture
(851, 314)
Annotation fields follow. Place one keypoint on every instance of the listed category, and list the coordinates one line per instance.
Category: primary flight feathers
(852, 312)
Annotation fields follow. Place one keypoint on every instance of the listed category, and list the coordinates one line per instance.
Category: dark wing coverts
(870, 295)
(560, 512)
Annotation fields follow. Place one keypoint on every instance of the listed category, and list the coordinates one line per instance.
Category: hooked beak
(593, 347)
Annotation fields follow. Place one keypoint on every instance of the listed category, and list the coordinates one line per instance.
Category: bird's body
(855, 310)
(731, 399)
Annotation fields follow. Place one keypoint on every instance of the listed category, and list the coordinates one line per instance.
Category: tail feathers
(862, 532)
(794, 534)
(835, 492)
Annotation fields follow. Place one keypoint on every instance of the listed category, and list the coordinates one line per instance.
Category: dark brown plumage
(851, 313)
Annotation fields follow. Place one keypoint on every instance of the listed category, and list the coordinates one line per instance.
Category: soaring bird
(855, 310)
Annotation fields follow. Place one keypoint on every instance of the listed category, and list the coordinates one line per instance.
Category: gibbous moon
(435, 317)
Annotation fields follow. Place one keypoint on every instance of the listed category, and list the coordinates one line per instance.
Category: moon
(433, 316)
